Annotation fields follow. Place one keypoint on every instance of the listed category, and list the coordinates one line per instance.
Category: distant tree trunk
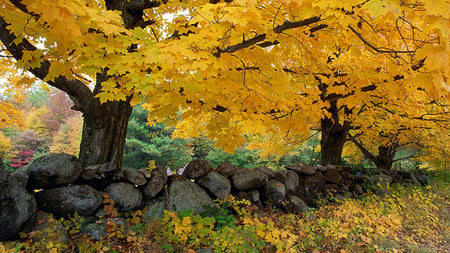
(385, 157)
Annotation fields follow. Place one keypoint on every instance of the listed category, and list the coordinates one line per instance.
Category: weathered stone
(16, 206)
(155, 183)
(226, 168)
(296, 205)
(424, 179)
(147, 173)
(266, 170)
(252, 195)
(281, 175)
(196, 169)
(311, 187)
(320, 168)
(292, 181)
(21, 177)
(302, 168)
(358, 189)
(334, 176)
(216, 183)
(154, 208)
(382, 179)
(94, 229)
(47, 226)
(68, 200)
(246, 179)
(274, 192)
(134, 177)
(53, 170)
(98, 176)
(184, 195)
(126, 196)
(331, 189)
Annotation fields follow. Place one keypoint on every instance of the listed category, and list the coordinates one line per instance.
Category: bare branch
(290, 25)
(379, 49)
(242, 45)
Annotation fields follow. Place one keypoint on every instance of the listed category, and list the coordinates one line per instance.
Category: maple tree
(232, 68)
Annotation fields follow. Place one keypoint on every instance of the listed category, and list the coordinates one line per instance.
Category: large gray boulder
(246, 179)
(197, 169)
(274, 192)
(156, 182)
(184, 195)
(126, 196)
(16, 206)
(53, 170)
(216, 183)
(68, 200)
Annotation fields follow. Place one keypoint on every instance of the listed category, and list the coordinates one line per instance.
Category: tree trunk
(334, 136)
(385, 158)
(104, 133)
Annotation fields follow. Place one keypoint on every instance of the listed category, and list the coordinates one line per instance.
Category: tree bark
(334, 136)
(104, 135)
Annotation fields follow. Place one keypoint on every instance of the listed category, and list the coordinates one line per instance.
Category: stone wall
(57, 184)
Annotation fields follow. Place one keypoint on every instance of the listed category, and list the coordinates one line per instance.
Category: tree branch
(290, 25)
(378, 49)
(137, 5)
(242, 45)
(76, 89)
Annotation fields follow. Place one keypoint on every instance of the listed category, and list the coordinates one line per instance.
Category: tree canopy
(237, 67)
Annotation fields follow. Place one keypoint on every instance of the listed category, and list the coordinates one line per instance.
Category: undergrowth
(409, 218)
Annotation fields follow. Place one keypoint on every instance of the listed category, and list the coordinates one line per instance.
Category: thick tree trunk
(334, 136)
(104, 134)
(385, 158)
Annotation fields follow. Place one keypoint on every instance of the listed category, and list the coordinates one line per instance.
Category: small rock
(126, 196)
(226, 168)
(197, 169)
(332, 189)
(281, 175)
(147, 173)
(358, 189)
(296, 205)
(216, 183)
(320, 168)
(266, 170)
(98, 176)
(155, 183)
(382, 179)
(334, 176)
(134, 177)
(302, 168)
